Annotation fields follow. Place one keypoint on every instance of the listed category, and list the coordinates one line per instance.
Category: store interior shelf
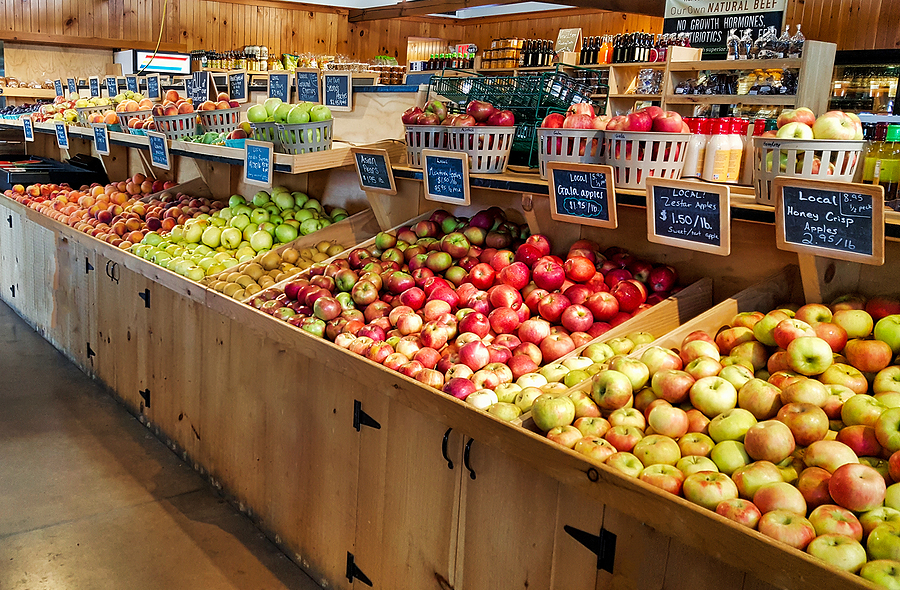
(659, 65)
(731, 65)
(731, 99)
(6, 91)
(637, 96)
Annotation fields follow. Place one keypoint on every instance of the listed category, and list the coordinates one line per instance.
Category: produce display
(478, 114)
(649, 119)
(14, 111)
(802, 123)
(787, 422)
(243, 131)
(277, 111)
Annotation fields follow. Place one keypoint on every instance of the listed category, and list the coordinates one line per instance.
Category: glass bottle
(582, 56)
(617, 48)
(889, 176)
(873, 156)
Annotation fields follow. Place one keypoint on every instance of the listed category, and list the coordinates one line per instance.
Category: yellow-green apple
(890, 399)
(880, 465)
(731, 424)
(480, 398)
(594, 447)
(668, 421)
(737, 375)
(837, 395)
(814, 314)
(641, 338)
(805, 390)
(731, 337)
(695, 464)
(887, 380)
(892, 496)
(809, 355)
(636, 371)
(659, 359)
(829, 455)
(599, 352)
(861, 438)
(696, 444)
(584, 405)
(788, 527)
(697, 348)
(874, 518)
(611, 390)
(856, 322)
(549, 411)
(753, 476)
(838, 551)
(708, 489)
(741, 511)
(747, 319)
(887, 430)
(799, 115)
(664, 476)
(577, 362)
(753, 352)
(655, 449)
(713, 395)
(862, 409)
(884, 542)
(505, 411)
(620, 345)
(779, 495)
(795, 130)
(554, 372)
(624, 438)
(869, 356)
(885, 573)
(836, 125)
(729, 455)
(565, 435)
(760, 398)
(857, 487)
(592, 426)
(813, 484)
(846, 375)
(531, 380)
(770, 440)
(703, 366)
(888, 330)
(787, 330)
(506, 392)
(627, 417)
(764, 328)
(626, 463)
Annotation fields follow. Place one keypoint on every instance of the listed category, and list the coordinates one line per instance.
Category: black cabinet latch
(145, 395)
(88, 267)
(354, 573)
(90, 351)
(146, 297)
(360, 418)
(602, 545)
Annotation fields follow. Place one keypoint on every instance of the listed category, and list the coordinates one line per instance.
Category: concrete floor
(89, 499)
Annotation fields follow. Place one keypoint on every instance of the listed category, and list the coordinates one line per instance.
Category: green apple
(259, 216)
(212, 236)
(285, 233)
(888, 330)
(239, 221)
(319, 113)
(297, 116)
(281, 112)
(261, 199)
(193, 233)
(231, 237)
(261, 240)
(729, 455)
(235, 200)
(304, 214)
(884, 542)
(270, 105)
(885, 573)
(309, 226)
(299, 199)
(257, 113)
(249, 230)
(283, 200)
(152, 239)
(313, 204)
(731, 424)
(306, 105)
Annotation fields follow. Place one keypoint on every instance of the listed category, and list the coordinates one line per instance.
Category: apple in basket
(409, 115)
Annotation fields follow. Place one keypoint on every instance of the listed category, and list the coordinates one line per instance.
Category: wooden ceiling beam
(423, 7)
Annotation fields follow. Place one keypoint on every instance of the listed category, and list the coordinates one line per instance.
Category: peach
(110, 118)
(186, 108)
(223, 104)
(205, 106)
(171, 95)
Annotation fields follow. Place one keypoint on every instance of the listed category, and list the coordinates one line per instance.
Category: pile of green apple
(274, 110)
(787, 422)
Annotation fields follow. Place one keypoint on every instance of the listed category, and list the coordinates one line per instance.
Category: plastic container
(304, 138)
(419, 137)
(583, 146)
(802, 158)
(488, 147)
(737, 151)
(177, 126)
(635, 156)
(220, 120)
(266, 132)
(85, 112)
(125, 118)
(696, 150)
(718, 153)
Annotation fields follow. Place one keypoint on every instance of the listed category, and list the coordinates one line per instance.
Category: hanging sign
(159, 150)
(307, 83)
(28, 127)
(258, 162)
(446, 176)
(689, 215)
(582, 193)
(336, 91)
(62, 135)
(101, 138)
(373, 166)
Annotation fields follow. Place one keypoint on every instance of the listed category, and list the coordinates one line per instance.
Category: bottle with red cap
(718, 152)
(696, 148)
(735, 125)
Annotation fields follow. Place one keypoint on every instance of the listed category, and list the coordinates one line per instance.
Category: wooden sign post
(446, 176)
(373, 167)
(582, 193)
(689, 215)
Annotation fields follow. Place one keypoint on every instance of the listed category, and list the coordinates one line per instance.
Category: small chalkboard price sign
(101, 138)
(446, 176)
(153, 87)
(689, 215)
(94, 86)
(28, 127)
(258, 162)
(199, 87)
(112, 86)
(237, 85)
(337, 91)
(582, 193)
(306, 81)
(72, 85)
(837, 220)
(131, 83)
(159, 150)
(58, 88)
(567, 40)
(62, 135)
(280, 86)
(373, 166)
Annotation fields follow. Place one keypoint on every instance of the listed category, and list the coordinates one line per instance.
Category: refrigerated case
(866, 82)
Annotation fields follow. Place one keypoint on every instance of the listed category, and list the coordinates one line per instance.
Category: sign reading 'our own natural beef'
(708, 21)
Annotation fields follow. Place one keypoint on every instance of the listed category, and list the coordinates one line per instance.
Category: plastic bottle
(747, 133)
(736, 159)
(873, 156)
(696, 149)
(718, 153)
(890, 163)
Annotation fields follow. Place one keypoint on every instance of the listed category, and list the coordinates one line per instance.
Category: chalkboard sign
(336, 92)
(112, 86)
(72, 85)
(582, 193)
(837, 220)
(62, 135)
(567, 40)
(237, 86)
(94, 85)
(131, 83)
(28, 127)
(689, 215)
(101, 138)
(258, 162)
(58, 88)
(373, 166)
(446, 176)
(159, 150)
(153, 87)
(280, 86)
(199, 87)
(307, 82)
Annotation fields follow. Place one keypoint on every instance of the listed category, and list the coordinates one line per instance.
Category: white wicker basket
(582, 146)
(635, 156)
(177, 126)
(304, 138)
(419, 137)
(488, 147)
(85, 112)
(125, 117)
(220, 120)
(802, 158)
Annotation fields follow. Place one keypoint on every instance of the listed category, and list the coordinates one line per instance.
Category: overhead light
(501, 9)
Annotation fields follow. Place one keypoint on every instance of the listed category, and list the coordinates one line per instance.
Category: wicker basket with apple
(578, 136)
(802, 145)
(425, 129)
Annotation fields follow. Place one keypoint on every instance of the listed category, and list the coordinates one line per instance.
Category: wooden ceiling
(425, 7)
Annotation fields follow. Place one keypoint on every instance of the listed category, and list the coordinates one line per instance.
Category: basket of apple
(802, 146)
(306, 127)
(425, 129)
(578, 136)
(221, 116)
(649, 142)
(486, 134)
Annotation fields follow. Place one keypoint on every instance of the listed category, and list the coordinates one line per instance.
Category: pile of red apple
(650, 118)
(786, 422)
(466, 305)
(478, 114)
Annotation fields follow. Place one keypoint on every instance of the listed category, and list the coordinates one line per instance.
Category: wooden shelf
(747, 64)
(638, 96)
(731, 99)
(658, 65)
(7, 92)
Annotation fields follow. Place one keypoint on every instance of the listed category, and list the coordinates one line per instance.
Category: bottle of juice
(889, 176)
(873, 156)
(735, 125)
(718, 153)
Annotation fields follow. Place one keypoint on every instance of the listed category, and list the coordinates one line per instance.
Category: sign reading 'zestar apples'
(689, 215)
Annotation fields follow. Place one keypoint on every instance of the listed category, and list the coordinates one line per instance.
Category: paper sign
(689, 215)
(446, 176)
(159, 150)
(280, 86)
(94, 85)
(101, 138)
(153, 87)
(258, 162)
(336, 92)
(237, 86)
(131, 83)
(58, 88)
(582, 193)
(112, 86)
(62, 135)
(307, 83)
(373, 166)
(72, 85)
(28, 126)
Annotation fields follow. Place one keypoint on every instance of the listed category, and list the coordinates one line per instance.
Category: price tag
(307, 82)
(582, 193)
(28, 126)
(153, 87)
(446, 176)
(839, 220)
(280, 86)
(201, 87)
(58, 88)
(101, 138)
(94, 85)
(112, 86)
(62, 135)
(131, 83)
(689, 215)
(159, 150)
(237, 86)
(337, 95)
(373, 166)
(72, 85)
(258, 162)
(567, 40)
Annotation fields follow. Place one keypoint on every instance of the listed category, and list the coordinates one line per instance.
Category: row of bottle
(882, 163)
(768, 45)
(536, 53)
(718, 150)
(459, 61)
(630, 47)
